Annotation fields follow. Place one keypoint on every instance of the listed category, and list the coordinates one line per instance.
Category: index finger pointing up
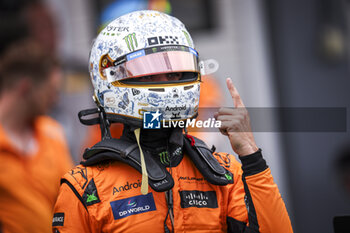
(234, 93)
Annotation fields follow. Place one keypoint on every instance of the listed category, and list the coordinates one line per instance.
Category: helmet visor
(152, 61)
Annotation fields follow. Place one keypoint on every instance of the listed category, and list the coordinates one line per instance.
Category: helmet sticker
(105, 62)
(124, 101)
(189, 41)
(178, 101)
(175, 92)
(135, 91)
(159, 40)
(131, 41)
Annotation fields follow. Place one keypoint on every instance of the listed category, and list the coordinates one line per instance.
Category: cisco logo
(198, 199)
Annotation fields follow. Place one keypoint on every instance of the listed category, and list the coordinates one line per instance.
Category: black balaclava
(166, 144)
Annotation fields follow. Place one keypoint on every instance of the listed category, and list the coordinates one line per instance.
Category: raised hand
(235, 124)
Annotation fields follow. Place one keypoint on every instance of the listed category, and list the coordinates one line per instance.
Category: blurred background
(279, 53)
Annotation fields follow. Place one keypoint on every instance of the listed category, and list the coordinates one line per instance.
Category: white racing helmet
(141, 44)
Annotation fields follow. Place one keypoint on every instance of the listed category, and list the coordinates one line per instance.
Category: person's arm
(254, 202)
(70, 214)
(255, 198)
(265, 206)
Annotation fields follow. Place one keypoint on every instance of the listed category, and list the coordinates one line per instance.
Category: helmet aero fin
(208, 67)
(144, 182)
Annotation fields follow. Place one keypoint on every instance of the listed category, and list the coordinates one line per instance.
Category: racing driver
(145, 70)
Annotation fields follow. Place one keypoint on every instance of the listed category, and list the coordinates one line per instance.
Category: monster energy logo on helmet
(131, 41)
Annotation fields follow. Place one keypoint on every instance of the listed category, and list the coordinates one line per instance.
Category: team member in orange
(154, 178)
(33, 151)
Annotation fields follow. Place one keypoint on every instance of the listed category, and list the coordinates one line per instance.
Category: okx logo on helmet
(145, 61)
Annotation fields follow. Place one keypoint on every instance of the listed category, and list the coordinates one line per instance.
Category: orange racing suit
(107, 198)
(29, 184)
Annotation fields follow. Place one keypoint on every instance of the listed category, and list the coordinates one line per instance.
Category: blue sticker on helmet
(133, 205)
(193, 51)
(136, 54)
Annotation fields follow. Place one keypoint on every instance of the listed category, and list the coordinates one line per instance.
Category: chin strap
(104, 124)
(101, 120)
(144, 183)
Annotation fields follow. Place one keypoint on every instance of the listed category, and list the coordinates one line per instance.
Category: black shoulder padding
(158, 177)
(206, 163)
(115, 149)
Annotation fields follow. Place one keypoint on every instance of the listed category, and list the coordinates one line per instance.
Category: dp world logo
(151, 120)
(131, 204)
